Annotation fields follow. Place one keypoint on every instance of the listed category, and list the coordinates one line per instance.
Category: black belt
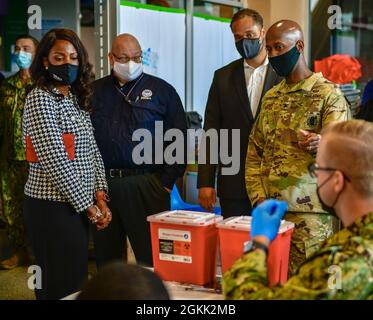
(122, 173)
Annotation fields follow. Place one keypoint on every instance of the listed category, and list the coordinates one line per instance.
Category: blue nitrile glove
(267, 218)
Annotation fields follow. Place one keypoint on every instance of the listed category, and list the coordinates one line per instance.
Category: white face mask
(128, 71)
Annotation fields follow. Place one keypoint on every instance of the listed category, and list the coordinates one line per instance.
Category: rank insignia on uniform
(146, 94)
(312, 121)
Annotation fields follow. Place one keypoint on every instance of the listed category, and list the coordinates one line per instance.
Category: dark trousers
(132, 199)
(59, 240)
(235, 207)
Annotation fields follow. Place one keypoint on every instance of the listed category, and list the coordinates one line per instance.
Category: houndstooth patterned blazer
(47, 115)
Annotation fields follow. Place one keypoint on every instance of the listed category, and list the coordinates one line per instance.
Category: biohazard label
(175, 245)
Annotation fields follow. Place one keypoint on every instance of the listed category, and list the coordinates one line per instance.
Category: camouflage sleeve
(253, 177)
(247, 278)
(5, 99)
(336, 108)
(2, 109)
(327, 277)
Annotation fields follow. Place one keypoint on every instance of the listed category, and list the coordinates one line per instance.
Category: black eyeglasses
(136, 59)
(314, 167)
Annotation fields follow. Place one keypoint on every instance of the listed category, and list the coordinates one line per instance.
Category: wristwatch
(250, 245)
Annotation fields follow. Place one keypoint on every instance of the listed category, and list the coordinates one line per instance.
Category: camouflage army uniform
(277, 168)
(13, 167)
(341, 269)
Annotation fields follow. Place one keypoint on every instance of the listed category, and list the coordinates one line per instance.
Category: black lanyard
(127, 96)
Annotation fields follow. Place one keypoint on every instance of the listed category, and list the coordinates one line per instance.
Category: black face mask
(248, 48)
(285, 63)
(325, 207)
(65, 73)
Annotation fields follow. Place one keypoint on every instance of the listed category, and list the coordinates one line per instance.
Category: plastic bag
(339, 68)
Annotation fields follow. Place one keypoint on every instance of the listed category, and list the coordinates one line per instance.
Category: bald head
(285, 30)
(124, 46)
(283, 36)
(125, 42)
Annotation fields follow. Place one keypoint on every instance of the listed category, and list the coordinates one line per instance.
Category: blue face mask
(285, 63)
(23, 59)
(248, 48)
(65, 73)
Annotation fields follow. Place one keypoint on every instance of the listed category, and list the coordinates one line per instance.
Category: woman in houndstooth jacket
(66, 170)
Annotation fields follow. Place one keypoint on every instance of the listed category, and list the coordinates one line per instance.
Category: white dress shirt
(255, 78)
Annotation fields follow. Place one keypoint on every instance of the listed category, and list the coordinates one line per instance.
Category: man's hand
(267, 219)
(262, 239)
(309, 141)
(207, 198)
(259, 201)
(168, 190)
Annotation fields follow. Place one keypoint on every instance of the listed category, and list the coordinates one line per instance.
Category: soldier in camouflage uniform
(348, 253)
(343, 267)
(13, 165)
(285, 137)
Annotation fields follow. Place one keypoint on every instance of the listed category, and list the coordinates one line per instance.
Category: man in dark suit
(234, 103)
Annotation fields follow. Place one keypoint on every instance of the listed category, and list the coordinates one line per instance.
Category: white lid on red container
(243, 223)
(184, 217)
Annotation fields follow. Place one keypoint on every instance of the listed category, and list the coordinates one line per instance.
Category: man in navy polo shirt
(123, 102)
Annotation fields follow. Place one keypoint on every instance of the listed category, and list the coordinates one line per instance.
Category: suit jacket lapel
(240, 85)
